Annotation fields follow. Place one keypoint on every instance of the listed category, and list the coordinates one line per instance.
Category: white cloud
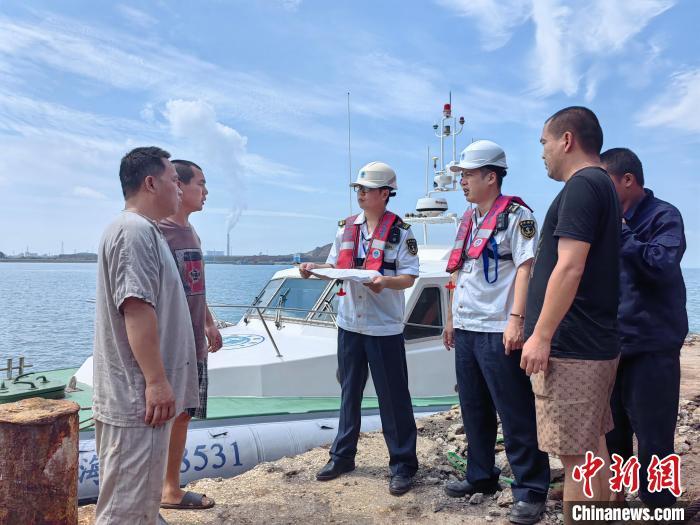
(575, 36)
(401, 89)
(137, 64)
(641, 73)
(136, 16)
(395, 88)
(496, 19)
(489, 106)
(678, 107)
(571, 37)
(288, 214)
(223, 152)
(553, 52)
(289, 5)
(148, 114)
(218, 148)
(30, 117)
(259, 170)
(59, 168)
(88, 193)
(272, 213)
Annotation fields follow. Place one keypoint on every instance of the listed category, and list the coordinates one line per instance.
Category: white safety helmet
(481, 153)
(376, 175)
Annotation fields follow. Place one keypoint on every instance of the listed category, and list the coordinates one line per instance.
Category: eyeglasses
(363, 189)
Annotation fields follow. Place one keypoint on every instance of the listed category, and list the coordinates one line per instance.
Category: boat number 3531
(213, 455)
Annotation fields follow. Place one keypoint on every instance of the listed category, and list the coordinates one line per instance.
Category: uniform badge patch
(513, 207)
(527, 228)
(412, 246)
(394, 235)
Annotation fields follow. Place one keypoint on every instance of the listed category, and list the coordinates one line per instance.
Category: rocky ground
(286, 491)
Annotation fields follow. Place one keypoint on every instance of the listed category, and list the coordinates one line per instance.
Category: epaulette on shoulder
(404, 225)
(513, 207)
(341, 223)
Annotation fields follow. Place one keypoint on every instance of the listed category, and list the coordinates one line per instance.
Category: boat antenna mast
(444, 180)
(432, 209)
(349, 159)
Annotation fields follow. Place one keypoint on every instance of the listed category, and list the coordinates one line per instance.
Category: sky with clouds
(256, 93)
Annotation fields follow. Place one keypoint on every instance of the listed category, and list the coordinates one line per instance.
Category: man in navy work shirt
(490, 267)
(370, 326)
(652, 318)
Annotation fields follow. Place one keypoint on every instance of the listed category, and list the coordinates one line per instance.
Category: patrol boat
(273, 387)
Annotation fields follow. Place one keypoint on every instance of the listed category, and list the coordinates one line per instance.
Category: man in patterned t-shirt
(186, 248)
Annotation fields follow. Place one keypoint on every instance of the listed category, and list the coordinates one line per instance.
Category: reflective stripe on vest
(483, 234)
(374, 256)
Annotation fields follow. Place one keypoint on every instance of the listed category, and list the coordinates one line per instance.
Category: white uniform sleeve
(335, 247)
(524, 234)
(406, 262)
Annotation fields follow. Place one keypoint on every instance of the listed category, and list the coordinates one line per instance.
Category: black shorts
(203, 376)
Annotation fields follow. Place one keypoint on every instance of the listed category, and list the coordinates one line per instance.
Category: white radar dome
(431, 207)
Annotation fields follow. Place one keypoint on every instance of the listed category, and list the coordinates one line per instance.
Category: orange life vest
(374, 256)
(488, 227)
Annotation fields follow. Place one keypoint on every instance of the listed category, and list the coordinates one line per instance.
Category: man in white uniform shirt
(490, 267)
(370, 326)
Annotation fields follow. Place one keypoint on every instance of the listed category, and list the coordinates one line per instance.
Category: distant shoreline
(47, 260)
(217, 260)
(317, 255)
(256, 260)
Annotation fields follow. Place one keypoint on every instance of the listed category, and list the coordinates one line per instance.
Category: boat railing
(278, 313)
(20, 368)
(325, 310)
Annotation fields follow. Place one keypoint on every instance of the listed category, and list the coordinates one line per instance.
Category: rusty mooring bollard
(39, 462)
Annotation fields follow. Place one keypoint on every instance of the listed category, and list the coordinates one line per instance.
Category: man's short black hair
(498, 170)
(138, 164)
(184, 169)
(619, 161)
(584, 125)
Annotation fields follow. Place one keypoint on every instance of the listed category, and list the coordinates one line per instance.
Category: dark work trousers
(386, 356)
(645, 402)
(490, 381)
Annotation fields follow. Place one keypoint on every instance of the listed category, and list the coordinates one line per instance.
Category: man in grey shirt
(144, 362)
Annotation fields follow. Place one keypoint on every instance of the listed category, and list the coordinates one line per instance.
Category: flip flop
(190, 501)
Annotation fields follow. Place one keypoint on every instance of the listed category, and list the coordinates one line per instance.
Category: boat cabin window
(297, 293)
(329, 304)
(426, 312)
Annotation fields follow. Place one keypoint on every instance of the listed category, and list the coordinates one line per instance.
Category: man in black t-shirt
(572, 342)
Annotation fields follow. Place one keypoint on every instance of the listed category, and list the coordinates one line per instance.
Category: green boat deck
(240, 408)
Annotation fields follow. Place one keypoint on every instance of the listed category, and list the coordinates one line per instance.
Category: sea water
(47, 314)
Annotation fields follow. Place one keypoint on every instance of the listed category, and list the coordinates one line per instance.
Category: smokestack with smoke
(218, 148)
(231, 221)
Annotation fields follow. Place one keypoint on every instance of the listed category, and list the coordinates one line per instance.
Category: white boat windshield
(329, 304)
(300, 295)
(264, 297)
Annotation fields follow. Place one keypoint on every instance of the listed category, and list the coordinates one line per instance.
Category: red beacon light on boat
(447, 110)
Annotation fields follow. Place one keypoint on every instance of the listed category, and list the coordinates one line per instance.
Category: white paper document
(359, 276)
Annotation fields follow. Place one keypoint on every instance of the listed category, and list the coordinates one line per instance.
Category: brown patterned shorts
(572, 400)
